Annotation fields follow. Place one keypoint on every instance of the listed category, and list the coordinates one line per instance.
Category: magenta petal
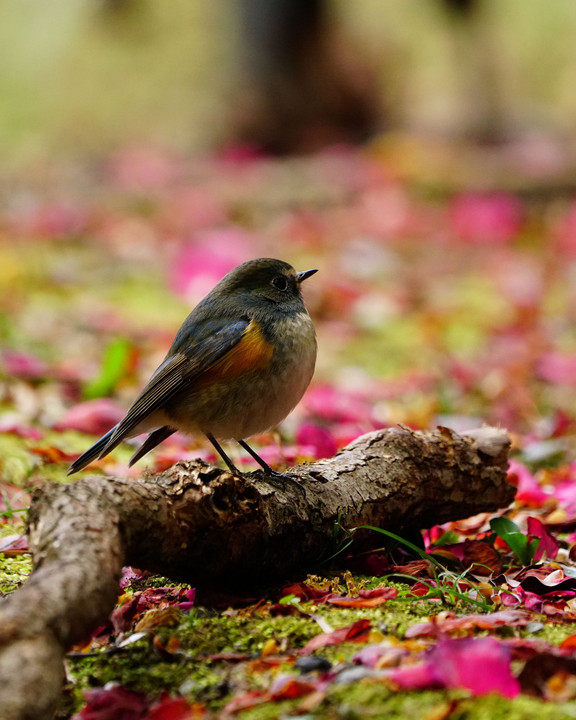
(113, 703)
(320, 438)
(481, 665)
(93, 417)
(23, 365)
(414, 677)
(548, 544)
(486, 219)
(529, 491)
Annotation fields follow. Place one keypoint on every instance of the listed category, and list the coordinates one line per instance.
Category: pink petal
(23, 365)
(16, 428)
(317, 437)
(481, 665)
(529, 491)
(565, 492)
(371, 655)
(414, 677)
(491, 219)
(141, 169)
(199, 266)
(557, 368)
(13, 542)
(549, 546)
(93, 417)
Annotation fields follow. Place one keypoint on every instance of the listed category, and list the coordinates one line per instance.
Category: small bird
(238, 365)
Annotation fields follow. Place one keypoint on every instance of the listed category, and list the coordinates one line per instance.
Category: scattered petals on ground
(432, 308)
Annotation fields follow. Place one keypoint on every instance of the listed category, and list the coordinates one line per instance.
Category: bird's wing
(179, 369)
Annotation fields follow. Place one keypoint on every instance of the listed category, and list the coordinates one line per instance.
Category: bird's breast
(255, 385)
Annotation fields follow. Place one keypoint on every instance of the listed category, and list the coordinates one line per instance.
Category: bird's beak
(305, 274)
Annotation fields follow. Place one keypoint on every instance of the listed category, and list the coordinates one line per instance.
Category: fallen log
(201, 524)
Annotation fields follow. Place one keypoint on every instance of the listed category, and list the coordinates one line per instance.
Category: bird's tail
(92, 453)
(151, 441)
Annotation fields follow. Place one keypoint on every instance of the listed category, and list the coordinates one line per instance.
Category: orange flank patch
(253, 352)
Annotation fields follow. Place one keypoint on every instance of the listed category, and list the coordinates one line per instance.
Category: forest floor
(435, 304)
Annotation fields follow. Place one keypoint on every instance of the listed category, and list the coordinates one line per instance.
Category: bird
(238, 365)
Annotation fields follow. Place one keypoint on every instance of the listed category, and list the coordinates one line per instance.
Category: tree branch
(201, 524)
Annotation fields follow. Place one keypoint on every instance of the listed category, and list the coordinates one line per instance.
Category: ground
(434, 304)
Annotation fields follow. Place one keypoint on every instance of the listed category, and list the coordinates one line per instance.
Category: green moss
(13, 572)
(273, 711)
(493, 707)
(371, 699)
(138, 668)
(207, 636)
(550, 632)
(202, 635)
(16, 462)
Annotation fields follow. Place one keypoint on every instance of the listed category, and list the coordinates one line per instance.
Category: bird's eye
(280, 282)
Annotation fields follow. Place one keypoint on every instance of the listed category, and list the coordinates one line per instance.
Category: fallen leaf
(539, 669)
(449, 623)
(113, 703)
(357, 632)
(480, 665)
(93, 417)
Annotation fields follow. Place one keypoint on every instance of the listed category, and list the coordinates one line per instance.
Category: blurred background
(87, 76)
(421, 153)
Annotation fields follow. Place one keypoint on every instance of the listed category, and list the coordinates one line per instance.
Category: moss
(553, 633)
(242, 634)
(493, 707)
(156, 581)
(137, 668)
(195, 671)
(16, 461)
(273, 711)
(15, 526)
(369, 699)
(13, 572)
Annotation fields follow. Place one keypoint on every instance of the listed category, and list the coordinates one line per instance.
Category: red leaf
(245, 701)
(288, 687)
(569, 643)
(123, 617)
(172, 709)
(366, 598)
(305, 592)
(198, 267)
(52, 455)
(115, 703)
(557, 368)
(514, 618)
(357, 632)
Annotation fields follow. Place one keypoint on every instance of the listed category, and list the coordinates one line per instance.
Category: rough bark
(201, 524)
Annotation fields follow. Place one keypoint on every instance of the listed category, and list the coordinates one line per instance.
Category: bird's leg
(264, 465)
(233, 469)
